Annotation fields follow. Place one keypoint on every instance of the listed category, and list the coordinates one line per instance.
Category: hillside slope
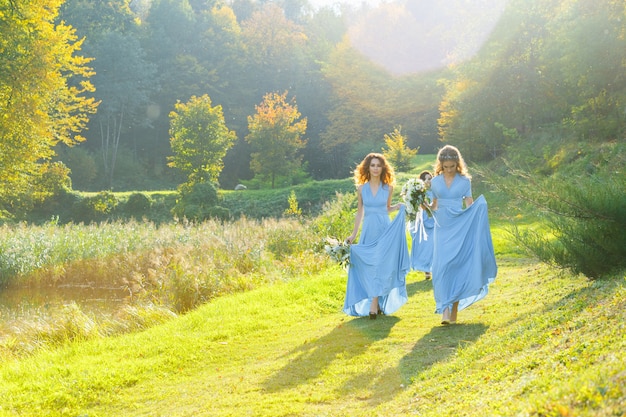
(542, 343)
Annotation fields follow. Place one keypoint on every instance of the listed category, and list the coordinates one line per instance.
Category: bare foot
(445, 318)
(455, 310)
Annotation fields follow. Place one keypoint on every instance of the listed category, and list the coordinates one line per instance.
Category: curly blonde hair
(451, 153)
(362, 171)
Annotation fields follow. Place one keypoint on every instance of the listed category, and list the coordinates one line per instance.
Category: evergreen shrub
(586, 217)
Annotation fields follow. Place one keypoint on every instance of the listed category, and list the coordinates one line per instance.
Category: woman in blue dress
(464, 262)
(380, 261)
(422, 243)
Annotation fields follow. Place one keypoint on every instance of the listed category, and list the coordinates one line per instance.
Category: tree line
(91, 91)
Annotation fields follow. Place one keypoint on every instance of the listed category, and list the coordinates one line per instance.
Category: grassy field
(542, 343)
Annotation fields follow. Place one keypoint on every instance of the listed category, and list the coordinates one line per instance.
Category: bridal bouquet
(338, 251)
(414, 195)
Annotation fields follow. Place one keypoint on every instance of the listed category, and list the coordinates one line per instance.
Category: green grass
(540, 344)
(266, 203)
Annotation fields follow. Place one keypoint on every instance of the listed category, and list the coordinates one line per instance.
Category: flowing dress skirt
(464, 262)
(378, 268)
(422, 251)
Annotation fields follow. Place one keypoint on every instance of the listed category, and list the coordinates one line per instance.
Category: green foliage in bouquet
(414, 197)
(339, 251)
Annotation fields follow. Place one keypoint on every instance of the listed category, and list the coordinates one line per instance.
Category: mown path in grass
(541, 343)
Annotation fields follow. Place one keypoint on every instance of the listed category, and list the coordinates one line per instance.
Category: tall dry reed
(162, 270)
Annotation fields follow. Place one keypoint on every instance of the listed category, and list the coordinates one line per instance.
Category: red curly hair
(362, 171)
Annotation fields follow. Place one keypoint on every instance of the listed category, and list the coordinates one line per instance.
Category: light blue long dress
(380, 261)
(464, 262)
(422, 251)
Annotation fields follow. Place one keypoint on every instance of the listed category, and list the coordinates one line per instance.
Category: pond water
(17, 302)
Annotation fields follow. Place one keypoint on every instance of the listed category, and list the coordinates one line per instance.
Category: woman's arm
(390, 207)
(359, 216)
(467, 196)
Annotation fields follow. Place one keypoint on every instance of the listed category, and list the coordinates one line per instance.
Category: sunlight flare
(408, 37)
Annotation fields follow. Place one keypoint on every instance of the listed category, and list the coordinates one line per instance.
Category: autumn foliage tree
(43, 81)
(200, 139)
(397, 152)
(275, 136)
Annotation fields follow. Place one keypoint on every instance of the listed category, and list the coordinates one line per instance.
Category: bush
(161, 207)
(95, 208)
(58, 206)
(337, 217)
(196, 201)
(397, 152)
(219, 213)
(137, 206)
(586, 217)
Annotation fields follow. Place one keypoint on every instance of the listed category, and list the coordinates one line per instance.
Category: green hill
(542, 343)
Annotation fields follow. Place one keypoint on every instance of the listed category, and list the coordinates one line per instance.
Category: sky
(322, 3)
(418, 36)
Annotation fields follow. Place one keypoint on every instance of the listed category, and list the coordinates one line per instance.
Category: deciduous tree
(200, 139)
(275, 136)
(43, 82)
(124, 81)
(276, 49)
(397, 152)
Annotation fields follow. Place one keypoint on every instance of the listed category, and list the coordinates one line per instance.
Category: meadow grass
(100, 254)
(269, 337)
(542, 343)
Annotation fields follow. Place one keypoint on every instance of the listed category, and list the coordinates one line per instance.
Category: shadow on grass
(347, 340)
(435, 346)
(419, 286)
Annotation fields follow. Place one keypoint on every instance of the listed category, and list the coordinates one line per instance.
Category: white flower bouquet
(339, 251)
(415, 198)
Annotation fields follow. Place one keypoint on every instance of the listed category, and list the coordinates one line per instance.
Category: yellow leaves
(42, 82)
(226, 17)
(397, 152)
(276, 136)
(271, 36)
(275, 111)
